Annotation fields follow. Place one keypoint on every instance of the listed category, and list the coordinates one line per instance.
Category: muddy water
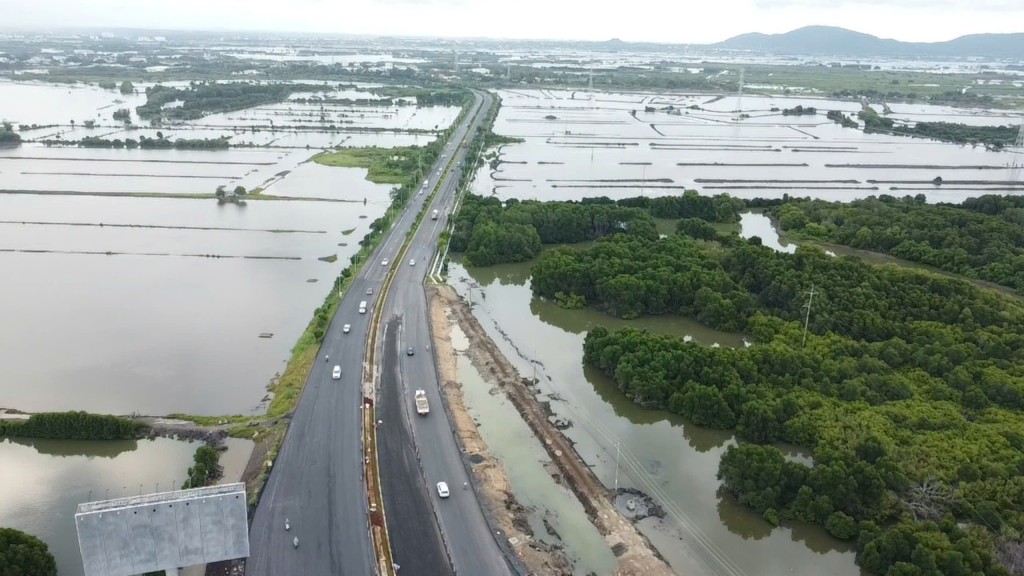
(43, 481)
(576, 147)
(705, 532)
(152, 333)
(510, 440)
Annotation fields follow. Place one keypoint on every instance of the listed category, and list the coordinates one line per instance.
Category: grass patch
(383, 165)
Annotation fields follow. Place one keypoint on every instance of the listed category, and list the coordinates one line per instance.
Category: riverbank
(634, 553)
(489, 473)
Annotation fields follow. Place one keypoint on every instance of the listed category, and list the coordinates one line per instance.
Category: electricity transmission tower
(807, 319)
(739, 96)
(1018, 154)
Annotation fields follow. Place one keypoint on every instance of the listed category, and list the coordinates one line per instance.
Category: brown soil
(635, 554)
(489, 474)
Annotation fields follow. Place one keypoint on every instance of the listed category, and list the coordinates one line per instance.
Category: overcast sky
(676, 21)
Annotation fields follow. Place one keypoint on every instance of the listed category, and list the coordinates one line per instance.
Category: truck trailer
(422, 407)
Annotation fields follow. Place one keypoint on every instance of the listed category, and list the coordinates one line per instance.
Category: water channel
(705, 531)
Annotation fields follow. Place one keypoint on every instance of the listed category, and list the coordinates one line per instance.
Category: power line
(807, 319)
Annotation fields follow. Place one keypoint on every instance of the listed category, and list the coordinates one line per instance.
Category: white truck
(362, 307)
(422, 407)
(433, 215)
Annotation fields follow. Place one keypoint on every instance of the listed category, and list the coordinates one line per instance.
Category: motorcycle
(296, 542)
(287, 525)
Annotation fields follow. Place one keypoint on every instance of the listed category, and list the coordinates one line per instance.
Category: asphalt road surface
(471, 545)
(317, 480)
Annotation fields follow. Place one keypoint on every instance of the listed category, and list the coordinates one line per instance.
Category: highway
(317, 480)
(472, 547)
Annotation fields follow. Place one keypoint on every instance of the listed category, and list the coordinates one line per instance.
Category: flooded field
(577, 145)
(43, 481)
(161, 304)
(705, 532)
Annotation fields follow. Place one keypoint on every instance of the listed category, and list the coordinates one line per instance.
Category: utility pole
(807, 319)
(617, 444)
(1018, 155)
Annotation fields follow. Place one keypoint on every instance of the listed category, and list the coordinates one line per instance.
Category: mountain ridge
(832, 40)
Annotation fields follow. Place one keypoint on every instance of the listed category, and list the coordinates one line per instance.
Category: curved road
(472, 547)
(317, 480)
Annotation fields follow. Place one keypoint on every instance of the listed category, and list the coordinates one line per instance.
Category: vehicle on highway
(433, 215)
(369, 291)
(409, 351)
(337, 373)
(295, 542)
(442, 489)
(362, 307)
(412, 262)
(287, 525)
(384, 262)
(422, 406)
(346, 328)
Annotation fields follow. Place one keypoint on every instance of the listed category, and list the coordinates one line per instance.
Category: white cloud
(652, 20)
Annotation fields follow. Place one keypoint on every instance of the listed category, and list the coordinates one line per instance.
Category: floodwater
(43, 481)
(754, 224)
(160, 305)
(510, 440)
(161, 328)
(607, 145)
(705, 531)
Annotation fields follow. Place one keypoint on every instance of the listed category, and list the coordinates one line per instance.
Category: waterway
(529, 470)
(705, 531)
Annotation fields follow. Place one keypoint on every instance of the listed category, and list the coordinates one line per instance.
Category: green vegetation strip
(982, 238)
(72, 426)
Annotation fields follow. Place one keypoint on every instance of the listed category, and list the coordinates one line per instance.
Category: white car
(412, 262)
(384, 262)
(337, 373)
(346, 328)
(442, 489)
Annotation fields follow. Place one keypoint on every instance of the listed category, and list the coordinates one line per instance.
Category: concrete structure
(165, 531)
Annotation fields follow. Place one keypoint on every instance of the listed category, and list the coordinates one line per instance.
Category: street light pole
(617, 444)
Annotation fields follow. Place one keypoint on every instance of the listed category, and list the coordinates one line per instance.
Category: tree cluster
(841, 119)
(201, 98)
(146, 143)
(8, 136)
(983, 238)
(204, 468)
(72, 426)
(22, 554)
(800, 110)
(995, 137)
(490, 232)
(907, 387)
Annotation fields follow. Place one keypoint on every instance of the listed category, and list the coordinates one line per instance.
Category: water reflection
(661, 454)
(737, 518)
(89, 448)
(43, 481)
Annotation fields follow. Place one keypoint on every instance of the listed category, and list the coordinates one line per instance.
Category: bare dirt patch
(635, 554)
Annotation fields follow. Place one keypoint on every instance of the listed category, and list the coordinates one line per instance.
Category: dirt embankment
(635, 554)
(488, 472)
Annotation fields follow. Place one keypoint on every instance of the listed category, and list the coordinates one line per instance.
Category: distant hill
(828, 40)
